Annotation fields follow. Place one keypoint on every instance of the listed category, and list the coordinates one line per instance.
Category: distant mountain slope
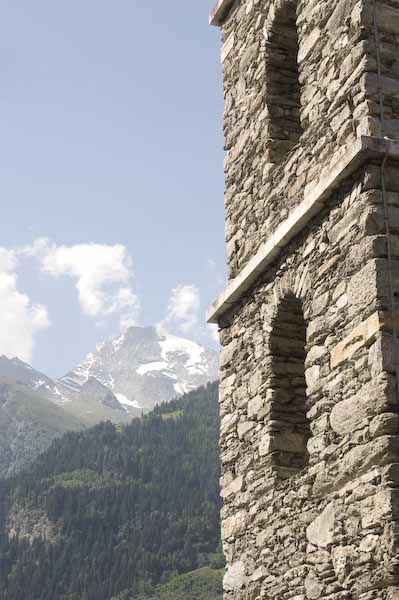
(89, 405)
(14, 369)
(95, 403)
(143, 368)
(124, 377)
(28, 424)
(107, 511)
(34, 411)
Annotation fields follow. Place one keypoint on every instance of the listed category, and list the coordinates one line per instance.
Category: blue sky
(111, 120)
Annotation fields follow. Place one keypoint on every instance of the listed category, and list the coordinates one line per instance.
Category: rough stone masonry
(309, 395)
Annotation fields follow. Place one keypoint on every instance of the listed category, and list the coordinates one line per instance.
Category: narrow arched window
(283, 93)
(288, 425)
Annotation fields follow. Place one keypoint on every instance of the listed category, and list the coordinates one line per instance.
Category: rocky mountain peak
(143, 367)
(125, 375)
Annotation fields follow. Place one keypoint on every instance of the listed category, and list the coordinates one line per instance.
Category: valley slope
(113, 512)
(28, 424)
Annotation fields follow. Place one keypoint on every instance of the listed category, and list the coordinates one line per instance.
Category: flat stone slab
(220, 11)
(316, 196)
(359, 337)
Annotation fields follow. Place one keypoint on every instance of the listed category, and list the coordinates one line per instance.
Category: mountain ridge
(138, 369)
(123, 378)
(144, 367)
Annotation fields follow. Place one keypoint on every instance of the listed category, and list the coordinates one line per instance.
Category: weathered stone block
(234, 525)
(359, 459)
(227, 353)
(321, 532)
(286, 442)
(244, 428)
(314, 586)
(235, 577)
(233, 487)
(256, 408)
(355, 412)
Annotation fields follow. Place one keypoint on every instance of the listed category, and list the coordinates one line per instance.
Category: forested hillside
(116, 510)
(28, 425)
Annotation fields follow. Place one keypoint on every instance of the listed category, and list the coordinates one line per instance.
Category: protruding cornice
(316, 196)
(220, 12)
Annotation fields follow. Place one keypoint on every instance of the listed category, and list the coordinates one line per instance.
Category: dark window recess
(288, 425)
(283, 93)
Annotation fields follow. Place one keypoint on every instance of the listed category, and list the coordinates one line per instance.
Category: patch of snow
(154, 366)
(111, 382)
(197, 370)
(123, 400)
(38, 383)
(195, 360)
(118, 342)
(170, 375)
(58, 393)
(76, 378)
(187, 352)
(181, 388)
(83, 370)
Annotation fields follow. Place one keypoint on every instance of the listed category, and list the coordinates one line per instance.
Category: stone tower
(308, 320)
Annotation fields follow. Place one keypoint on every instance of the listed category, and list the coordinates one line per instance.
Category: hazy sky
(111, 173)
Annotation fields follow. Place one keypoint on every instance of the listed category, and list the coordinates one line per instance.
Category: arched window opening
(288, 426)
(283, 93)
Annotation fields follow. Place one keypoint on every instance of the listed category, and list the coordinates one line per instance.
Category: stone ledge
(220, 11)
(315, 196)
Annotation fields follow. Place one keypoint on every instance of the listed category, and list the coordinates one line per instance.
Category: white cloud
(183, 316)
(214, 332)
(218, 276)
(102, 273)
(20, 320)
(183, 308)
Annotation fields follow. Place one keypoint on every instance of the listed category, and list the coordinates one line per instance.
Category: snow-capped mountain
(124, 377)
(142, 368)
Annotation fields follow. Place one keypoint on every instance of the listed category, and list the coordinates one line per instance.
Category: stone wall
(339, 95)
(330, 530)
(308, 396)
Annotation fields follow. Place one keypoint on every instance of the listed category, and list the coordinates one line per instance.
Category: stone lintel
(316, 194)
(219, 13)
